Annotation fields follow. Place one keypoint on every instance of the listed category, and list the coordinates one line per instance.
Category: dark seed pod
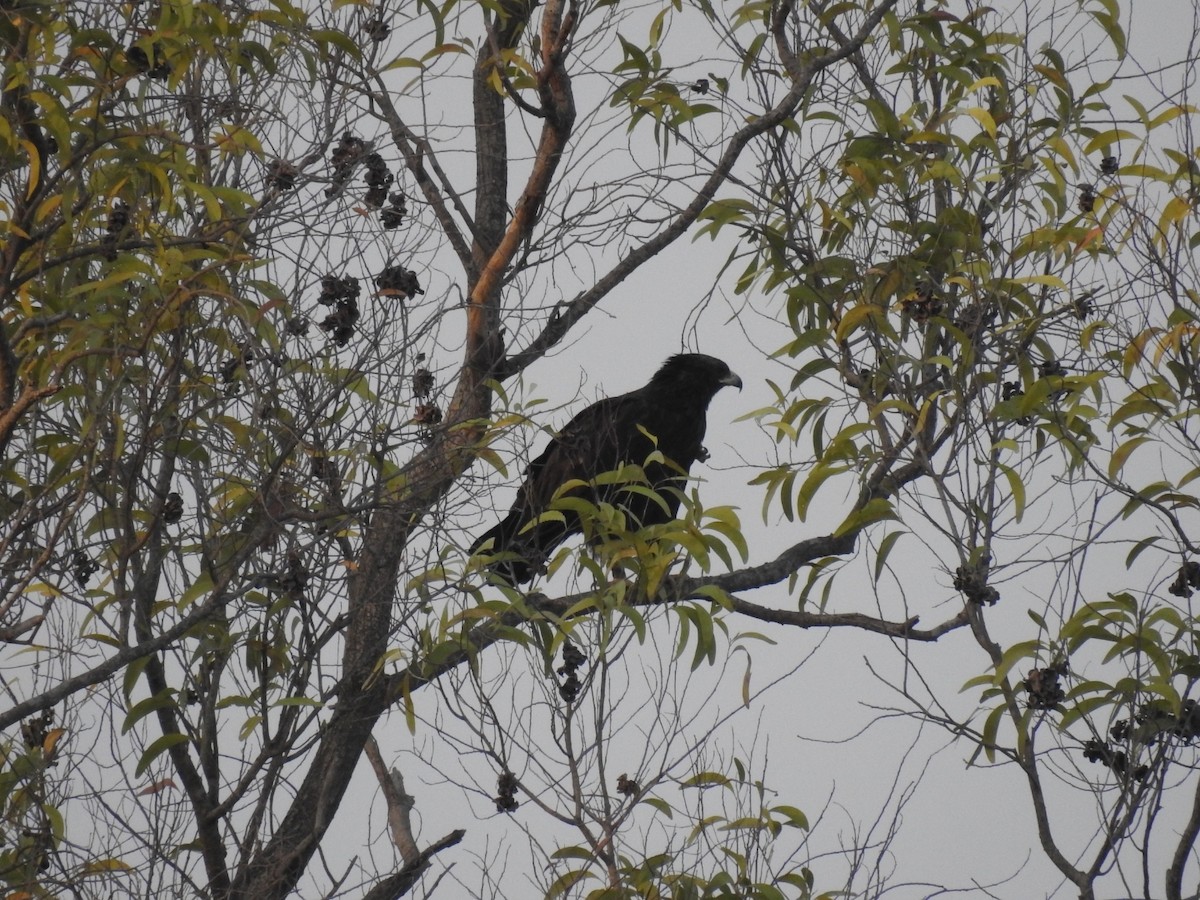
(323, 467)
(1186, 580)
(34, 731)
(296, 326)
(377, 171)
(1044, 688)
(344, 158)
(422, 383)
(282, 175)
(375, 197)
(115, 229)
(295, 579)
(971, 580)
(151, 64)
(1097, 751)
(84, 567)
(172, 510)
(377, 28)
(1051, 368)
(427, 414)
(626, 786)
(340, 323)
(572, 660)
(348, 151)
(1087, 198)
(334, 289)
(506, 792)
(398, 280)
(242, 360)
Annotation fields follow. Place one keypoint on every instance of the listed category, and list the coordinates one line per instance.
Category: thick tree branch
(399, 804)
(11, 414)
(399, 884)
(1184, 850)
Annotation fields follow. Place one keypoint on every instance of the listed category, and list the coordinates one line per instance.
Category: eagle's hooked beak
(732, 380)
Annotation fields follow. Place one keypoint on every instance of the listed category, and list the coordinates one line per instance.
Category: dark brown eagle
(607, 434)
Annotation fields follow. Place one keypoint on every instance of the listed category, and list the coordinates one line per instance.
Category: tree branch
(399, 884)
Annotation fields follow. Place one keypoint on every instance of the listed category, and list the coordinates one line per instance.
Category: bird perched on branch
(667, 414)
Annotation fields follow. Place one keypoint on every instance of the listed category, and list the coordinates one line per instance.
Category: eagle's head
(697, 373)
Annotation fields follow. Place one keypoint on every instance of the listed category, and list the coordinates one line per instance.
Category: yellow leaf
(985, 82)
(854, 318)
(1052, 281)
(1121, 455)
(984, 118)
(52, 739)
(1092, 236)
(35, 167)
(99, 866)
(1177, 208)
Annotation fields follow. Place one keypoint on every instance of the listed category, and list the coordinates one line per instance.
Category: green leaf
(561, 886)
(164, 699)
(1140, 546)
(991, 730)
(580, 853)
(1016, 488)
(1121, 455)
(156, 749)
(1013, 655)
(661, 805)
(706, 779)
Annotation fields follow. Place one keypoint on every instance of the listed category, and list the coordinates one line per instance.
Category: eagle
(667, 415)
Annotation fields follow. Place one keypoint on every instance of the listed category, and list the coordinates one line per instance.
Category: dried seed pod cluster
(422, 383)
(378, 179)
(115, 228)
(83, 567)
(392, 215)
(282, 175)
(344, 158)
(1186, 580)
(172, 510)
(399, 281)
(377, 28)
(1096, 750)
(1087, 198)
(506, 792)
(1044, 686)
(342, 295)
(971, 580)
(295, 577)
(922, 305)
(573, 659)
(243, 360)
(427, 414)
